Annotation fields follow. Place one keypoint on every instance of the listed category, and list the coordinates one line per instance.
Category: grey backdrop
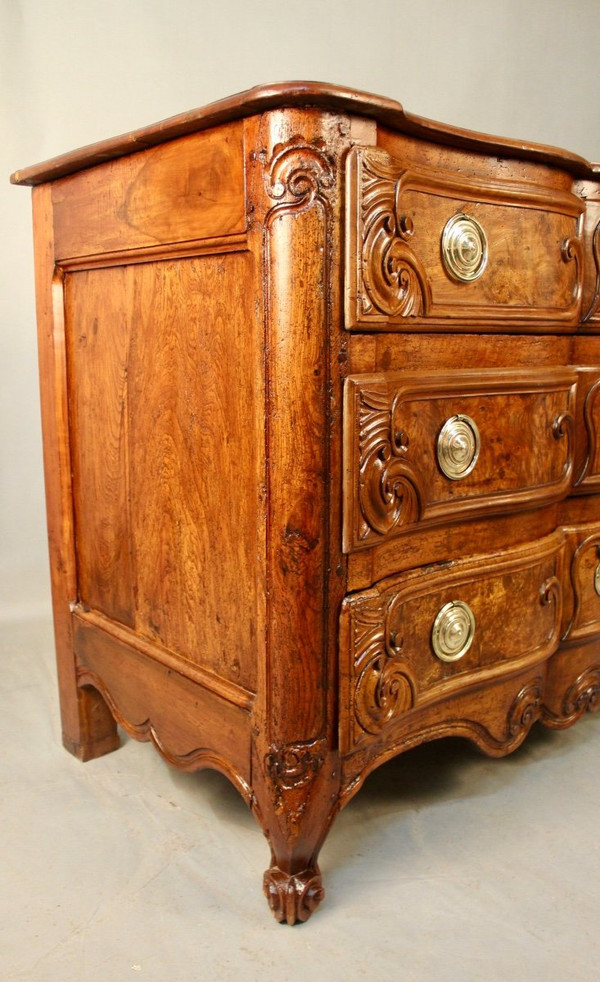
(75, 71)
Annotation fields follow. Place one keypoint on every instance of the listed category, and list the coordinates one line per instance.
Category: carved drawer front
(582, 614)
(438, 448)
(425, 246)
(425, 635)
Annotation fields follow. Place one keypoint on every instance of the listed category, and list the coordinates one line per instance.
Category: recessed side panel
(167, 423)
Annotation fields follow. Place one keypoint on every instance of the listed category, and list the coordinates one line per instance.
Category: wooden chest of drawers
(320, 386)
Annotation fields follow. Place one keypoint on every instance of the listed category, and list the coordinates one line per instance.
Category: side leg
(295, 802)
(88, 728)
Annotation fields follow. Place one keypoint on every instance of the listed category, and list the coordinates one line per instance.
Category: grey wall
(76, 71)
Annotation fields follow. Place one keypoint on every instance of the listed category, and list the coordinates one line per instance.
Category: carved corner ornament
(386, 277)
(298, 174)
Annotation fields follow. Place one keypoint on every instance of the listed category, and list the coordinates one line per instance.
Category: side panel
(166, 419)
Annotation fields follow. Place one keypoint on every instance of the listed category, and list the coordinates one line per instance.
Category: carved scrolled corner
(572, 252)
(525, 710)
(582, 697)
(384, 688)
(292, 898)
(298, 173)
(389, 491)
(391, 282)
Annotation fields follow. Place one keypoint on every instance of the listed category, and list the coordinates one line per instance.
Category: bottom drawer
(423, 636)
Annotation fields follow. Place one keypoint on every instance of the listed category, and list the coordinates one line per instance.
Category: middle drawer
(440, 447)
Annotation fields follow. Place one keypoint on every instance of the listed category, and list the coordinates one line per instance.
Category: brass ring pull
(453, 631)
(458, 447)
(597, 579)
(464, 248)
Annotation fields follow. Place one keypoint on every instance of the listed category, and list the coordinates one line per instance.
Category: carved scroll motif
(572, 251)
(383, 685)
(394, 282)
(298, 174)
(525, 710)
(390, 494)
(293, 898)
(583, 696)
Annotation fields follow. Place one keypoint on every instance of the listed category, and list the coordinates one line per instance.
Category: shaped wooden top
(283, 95)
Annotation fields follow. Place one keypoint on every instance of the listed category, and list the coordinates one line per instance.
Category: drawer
(423, 636)
(446, 251)
(437, 448)
(587, 451)
(582, 612)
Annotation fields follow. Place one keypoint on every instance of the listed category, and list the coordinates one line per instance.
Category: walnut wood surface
(249, 347)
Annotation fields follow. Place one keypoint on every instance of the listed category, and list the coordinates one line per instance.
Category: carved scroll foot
(293, 897)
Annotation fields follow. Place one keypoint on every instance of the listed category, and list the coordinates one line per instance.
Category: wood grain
(201, 294)
(186, 190)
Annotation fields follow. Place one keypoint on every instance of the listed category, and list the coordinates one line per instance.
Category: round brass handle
(458, 447)
(464, 248)
(597, 579)
(453, 631)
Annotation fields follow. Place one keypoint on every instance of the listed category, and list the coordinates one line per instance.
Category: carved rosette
(293, 898)
(391, 280)
(389, 491)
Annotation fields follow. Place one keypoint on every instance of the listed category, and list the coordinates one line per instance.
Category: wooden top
(299, 94)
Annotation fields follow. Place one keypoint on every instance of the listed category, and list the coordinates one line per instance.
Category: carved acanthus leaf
(389, 490)
(384, 687)
(392, 280)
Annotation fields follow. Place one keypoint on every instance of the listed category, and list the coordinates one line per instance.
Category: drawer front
(426, 247)
(438, 448)
(423, 636)
(587, 452)
(582, 615)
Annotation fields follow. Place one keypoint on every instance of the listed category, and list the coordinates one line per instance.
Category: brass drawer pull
(458, 447)
(453, 631)
(464, 248)
(597, 579)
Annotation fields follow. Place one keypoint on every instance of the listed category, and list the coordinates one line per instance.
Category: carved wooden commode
(321, 397)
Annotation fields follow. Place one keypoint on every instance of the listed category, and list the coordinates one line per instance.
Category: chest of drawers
(320, 388)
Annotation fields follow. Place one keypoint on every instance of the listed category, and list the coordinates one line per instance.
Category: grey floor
(447, 866)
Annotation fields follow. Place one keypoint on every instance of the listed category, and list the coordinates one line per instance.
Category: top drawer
(434, 249)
